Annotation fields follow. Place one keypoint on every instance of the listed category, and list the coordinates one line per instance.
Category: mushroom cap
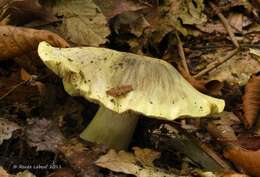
(124, 81)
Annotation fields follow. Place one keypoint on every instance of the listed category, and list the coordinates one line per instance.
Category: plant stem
(111, 128)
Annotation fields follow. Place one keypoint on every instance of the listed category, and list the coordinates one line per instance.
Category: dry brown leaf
(6, 129)
(44, 135)
(236, 21)
(16, 41)
(139, 164)
(231, 71)
(130, 22)
(25, 76)
(18, 12)
(63, 172)
(255, 52)
(15, 90)
(248, 160)
(251, 101)
(30, 62)
(233, 175)
(80, 158)
(3, 173)
(219, 174)
(212, 87)
(221, 127)
(25, 173)
(111, 8)
(249, 142)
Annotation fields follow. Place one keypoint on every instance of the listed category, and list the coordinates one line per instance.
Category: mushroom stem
(111, 128)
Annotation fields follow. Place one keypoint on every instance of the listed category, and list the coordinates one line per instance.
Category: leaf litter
(41, 122)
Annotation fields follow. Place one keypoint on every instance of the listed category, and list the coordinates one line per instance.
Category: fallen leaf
(187, 13)
(30, 62)
(231, 71)
(248, 160)
(6, 129)
(221, 127)
(226, 5)
(44, 135)
(146, 156)
(16, 90)
(236, 21)
(64, 172)
(25, 76)
(111, 8)
(18, 12)
(80, 158)
(83, 22)
(25, 173)
(132, 22)
(249, 142)
(174, 15)
(16, 41)
(167, 137)
(255, 52)
(251, 101)
(218, 174)
(138, 164)
(3, 173)
(212, 87)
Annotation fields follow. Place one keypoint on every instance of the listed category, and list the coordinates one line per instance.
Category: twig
(182, 54)
(214, 155)
(12, 89)
(242, 46)
(215, 64)
(225, 23)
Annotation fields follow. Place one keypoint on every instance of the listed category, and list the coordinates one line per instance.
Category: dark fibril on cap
(124, 82)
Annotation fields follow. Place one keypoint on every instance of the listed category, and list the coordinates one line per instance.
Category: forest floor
(215, 45)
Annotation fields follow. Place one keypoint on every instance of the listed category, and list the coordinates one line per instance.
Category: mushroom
(125, 85)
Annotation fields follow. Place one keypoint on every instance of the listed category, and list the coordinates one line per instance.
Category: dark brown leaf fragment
(120, 90)
(19, 12)
(63, 172)
(251, 101)
(81, 159)
(44, 135)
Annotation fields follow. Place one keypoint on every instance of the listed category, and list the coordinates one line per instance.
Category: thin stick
(182, 54)
(215, 64)
(225, 23)
(12, 89)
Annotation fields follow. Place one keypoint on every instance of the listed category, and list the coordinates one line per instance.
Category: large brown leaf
(251, 101)
(248, 160)
(17, 41)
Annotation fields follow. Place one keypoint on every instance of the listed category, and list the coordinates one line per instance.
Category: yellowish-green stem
(110, 128)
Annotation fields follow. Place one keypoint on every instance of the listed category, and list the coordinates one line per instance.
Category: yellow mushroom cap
(124, 81)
